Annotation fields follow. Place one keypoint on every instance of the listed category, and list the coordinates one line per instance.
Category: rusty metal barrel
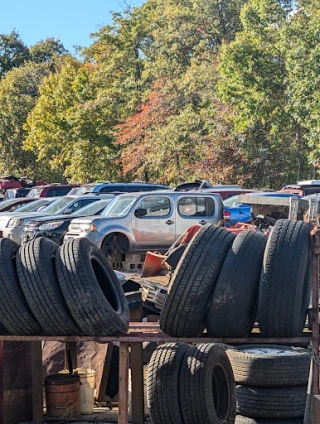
(63, 396)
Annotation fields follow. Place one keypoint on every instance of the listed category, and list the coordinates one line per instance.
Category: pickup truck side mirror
(140, 212)
(67, 212)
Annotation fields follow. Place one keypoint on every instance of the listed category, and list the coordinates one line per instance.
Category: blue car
(235, 211)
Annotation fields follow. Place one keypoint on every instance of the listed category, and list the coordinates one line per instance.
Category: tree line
(226, 90)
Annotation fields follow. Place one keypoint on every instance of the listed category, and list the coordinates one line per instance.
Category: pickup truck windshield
(119, 207)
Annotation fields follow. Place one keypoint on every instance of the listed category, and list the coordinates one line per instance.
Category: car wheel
(38, 280)
(281, 402)
(233, 307)
(163, 383)
(193, 282)
(270, 365)
(15, 314)
(207, 387)
(285, 284)
(91, 289)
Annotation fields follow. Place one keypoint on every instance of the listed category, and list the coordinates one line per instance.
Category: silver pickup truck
(138, 222)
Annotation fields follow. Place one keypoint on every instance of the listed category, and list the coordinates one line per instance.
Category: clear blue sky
(71, 21)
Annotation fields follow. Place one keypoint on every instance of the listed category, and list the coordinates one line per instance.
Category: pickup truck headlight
(50, 225)
(15, 222)
(82, 228)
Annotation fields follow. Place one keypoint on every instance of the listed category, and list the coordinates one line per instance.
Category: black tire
(289, 367)
(193, 281)
(207, 387)
(285, 283)
(163, 383)
(234, 301)
(245, 420)
(15, 314)
(91, 289)
(281, 402)
(39, 283)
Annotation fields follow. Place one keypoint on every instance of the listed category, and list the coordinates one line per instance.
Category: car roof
(127, 184)
(230, 189)
(166, 193)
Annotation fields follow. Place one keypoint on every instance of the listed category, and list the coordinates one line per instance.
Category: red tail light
(226, 215)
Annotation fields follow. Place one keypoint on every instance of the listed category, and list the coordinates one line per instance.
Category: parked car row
(125, 218)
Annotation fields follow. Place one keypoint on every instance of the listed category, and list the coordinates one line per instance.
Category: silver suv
(138, 222)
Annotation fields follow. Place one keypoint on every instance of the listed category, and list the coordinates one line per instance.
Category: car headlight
(50, 225)
(82, 228)
(15, 222)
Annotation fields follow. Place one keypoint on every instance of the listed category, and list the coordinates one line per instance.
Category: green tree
(13, 52)
(46, 50)
(18, 95)
(301, 40)
(70, 124)
(254, 81)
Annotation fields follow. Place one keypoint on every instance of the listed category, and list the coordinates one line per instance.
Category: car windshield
(58, 205)
(34, 192)
(33, 206)
(80, 190)
(232, 202)
(8, 202)
(93, 208)
(119, 207)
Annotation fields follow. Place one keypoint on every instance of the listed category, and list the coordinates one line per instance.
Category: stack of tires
(188, 385)
(224, 283)
(272, 383)
(50, 290)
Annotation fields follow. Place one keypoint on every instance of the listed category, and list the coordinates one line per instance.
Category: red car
(52, 190)
(10, 181)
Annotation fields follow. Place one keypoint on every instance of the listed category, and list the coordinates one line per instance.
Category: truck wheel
(37, 276)
(245, 420)
(234, 301)
(193, 281)
(270, 365)
(15, 314)
(281, 402)
(91, 289)
(163, 383)
(285, 283)
(207, 388)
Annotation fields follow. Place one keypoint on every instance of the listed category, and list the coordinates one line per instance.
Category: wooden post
(123, 383)
(71, 349)
(137, 384)
(37, 382)
(1, 383)
(105, 373)
(315, 312)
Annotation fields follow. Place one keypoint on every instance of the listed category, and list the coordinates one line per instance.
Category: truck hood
(90, 219)
(48, 218)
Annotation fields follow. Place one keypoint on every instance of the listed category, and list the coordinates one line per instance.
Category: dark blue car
(235, 211)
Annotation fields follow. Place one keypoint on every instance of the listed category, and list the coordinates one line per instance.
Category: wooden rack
(148, 332)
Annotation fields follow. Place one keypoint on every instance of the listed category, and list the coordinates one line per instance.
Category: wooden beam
(123, 384)
(137, 384)
(37, 382)
(105, 373)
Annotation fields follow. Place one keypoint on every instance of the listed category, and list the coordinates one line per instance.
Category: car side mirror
(67, 212)
(140, 212)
